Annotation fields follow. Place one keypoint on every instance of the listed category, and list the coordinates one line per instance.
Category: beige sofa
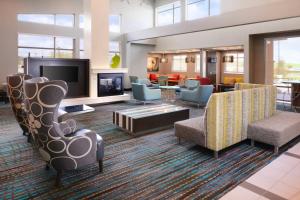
(232, 117)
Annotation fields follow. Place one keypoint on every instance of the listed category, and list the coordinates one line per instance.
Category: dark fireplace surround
(110, 84)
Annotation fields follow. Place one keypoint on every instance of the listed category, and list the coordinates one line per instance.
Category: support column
(96, 38)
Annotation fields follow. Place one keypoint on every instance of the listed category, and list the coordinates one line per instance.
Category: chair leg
(179, 140)
(47, 167)
(216, 154)
(29, 138)
(276, 150)
(58, 178)
(252, 143)
(100, 166)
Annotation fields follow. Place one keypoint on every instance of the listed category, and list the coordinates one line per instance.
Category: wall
(135, 16)
(137, 55)
(10, 27)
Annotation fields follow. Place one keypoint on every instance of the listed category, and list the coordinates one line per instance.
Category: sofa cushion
(276, 130)
(192, 130)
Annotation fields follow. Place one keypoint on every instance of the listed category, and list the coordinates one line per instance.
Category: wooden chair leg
(100, 166)
(47, 167)
(276, 150)
(252, 143)
(58, 178)
(216, 154)
(179, 140)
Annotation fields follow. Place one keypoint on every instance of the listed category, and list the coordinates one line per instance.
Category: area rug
(148, 167)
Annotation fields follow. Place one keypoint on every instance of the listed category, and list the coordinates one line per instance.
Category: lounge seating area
(150, 99)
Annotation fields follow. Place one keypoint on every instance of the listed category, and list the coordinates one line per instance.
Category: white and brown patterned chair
(16, 97)
(63, 152)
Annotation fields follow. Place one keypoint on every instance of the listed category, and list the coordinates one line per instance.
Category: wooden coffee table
(146, 119)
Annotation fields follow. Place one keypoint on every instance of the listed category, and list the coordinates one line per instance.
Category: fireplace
(110, 84)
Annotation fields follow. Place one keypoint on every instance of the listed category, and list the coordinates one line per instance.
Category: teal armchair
(148, 83)
(199, 95)
(142, 93)
(190, 85)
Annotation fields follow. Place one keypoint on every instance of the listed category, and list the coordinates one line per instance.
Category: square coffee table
(146, 119)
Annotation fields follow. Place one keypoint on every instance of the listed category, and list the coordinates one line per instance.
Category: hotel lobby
(150, 99)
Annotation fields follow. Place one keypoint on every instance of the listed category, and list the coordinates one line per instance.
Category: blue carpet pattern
(148, 167)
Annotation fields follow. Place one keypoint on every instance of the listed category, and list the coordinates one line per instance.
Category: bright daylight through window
(168, 14)
(44, 46)
(179, 63)
(196, 9)
(66, 20)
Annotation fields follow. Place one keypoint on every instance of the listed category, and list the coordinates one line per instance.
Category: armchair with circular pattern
(59, 144)
(16, 97)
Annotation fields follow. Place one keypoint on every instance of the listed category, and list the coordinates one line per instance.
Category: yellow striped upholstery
(228, 114)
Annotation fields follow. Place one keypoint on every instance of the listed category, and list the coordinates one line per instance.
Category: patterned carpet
(148, 167)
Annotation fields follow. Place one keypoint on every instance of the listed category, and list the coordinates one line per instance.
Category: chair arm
(68, 126)
(81, 150)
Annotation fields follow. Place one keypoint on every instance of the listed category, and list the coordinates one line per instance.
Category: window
(114, 48)
(44, 46)
(179, 63)
(81, 49)
(64, 47)
(196, 9)
(115, 23)
(37, 18)
(198, 63)
(66, 20)
(81, 21)
(168, 14)
(237, 66)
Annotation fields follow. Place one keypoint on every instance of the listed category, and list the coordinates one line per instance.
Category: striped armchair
(227, 116)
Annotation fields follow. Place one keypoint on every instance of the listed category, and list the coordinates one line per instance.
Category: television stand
(77, 109)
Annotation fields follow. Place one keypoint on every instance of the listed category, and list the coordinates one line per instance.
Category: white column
(96, 38)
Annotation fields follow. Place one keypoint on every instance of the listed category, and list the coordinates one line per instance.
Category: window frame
(197, 1)
(120, 23)
(236, 61)
(51, 24)
(53, 48)
(182, 61)
(166, 10)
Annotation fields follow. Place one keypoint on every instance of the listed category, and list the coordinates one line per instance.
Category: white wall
(135, 16)
(10, 27)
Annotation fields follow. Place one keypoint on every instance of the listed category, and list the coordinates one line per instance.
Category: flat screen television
(65, 73)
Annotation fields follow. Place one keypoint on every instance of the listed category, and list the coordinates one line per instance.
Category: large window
(66, 20)
(115, 23)
(81, 49)
(44, 46)
(234, 63)
(196, 9)
(114, 48)
(286, 59)
(81, 21)
(179, 63)
(168, 14)
(198, 63)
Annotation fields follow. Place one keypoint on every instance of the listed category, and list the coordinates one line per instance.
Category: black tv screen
(65, 73)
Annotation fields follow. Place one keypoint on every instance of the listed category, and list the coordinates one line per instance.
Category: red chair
(153, 78)
(203, 80)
